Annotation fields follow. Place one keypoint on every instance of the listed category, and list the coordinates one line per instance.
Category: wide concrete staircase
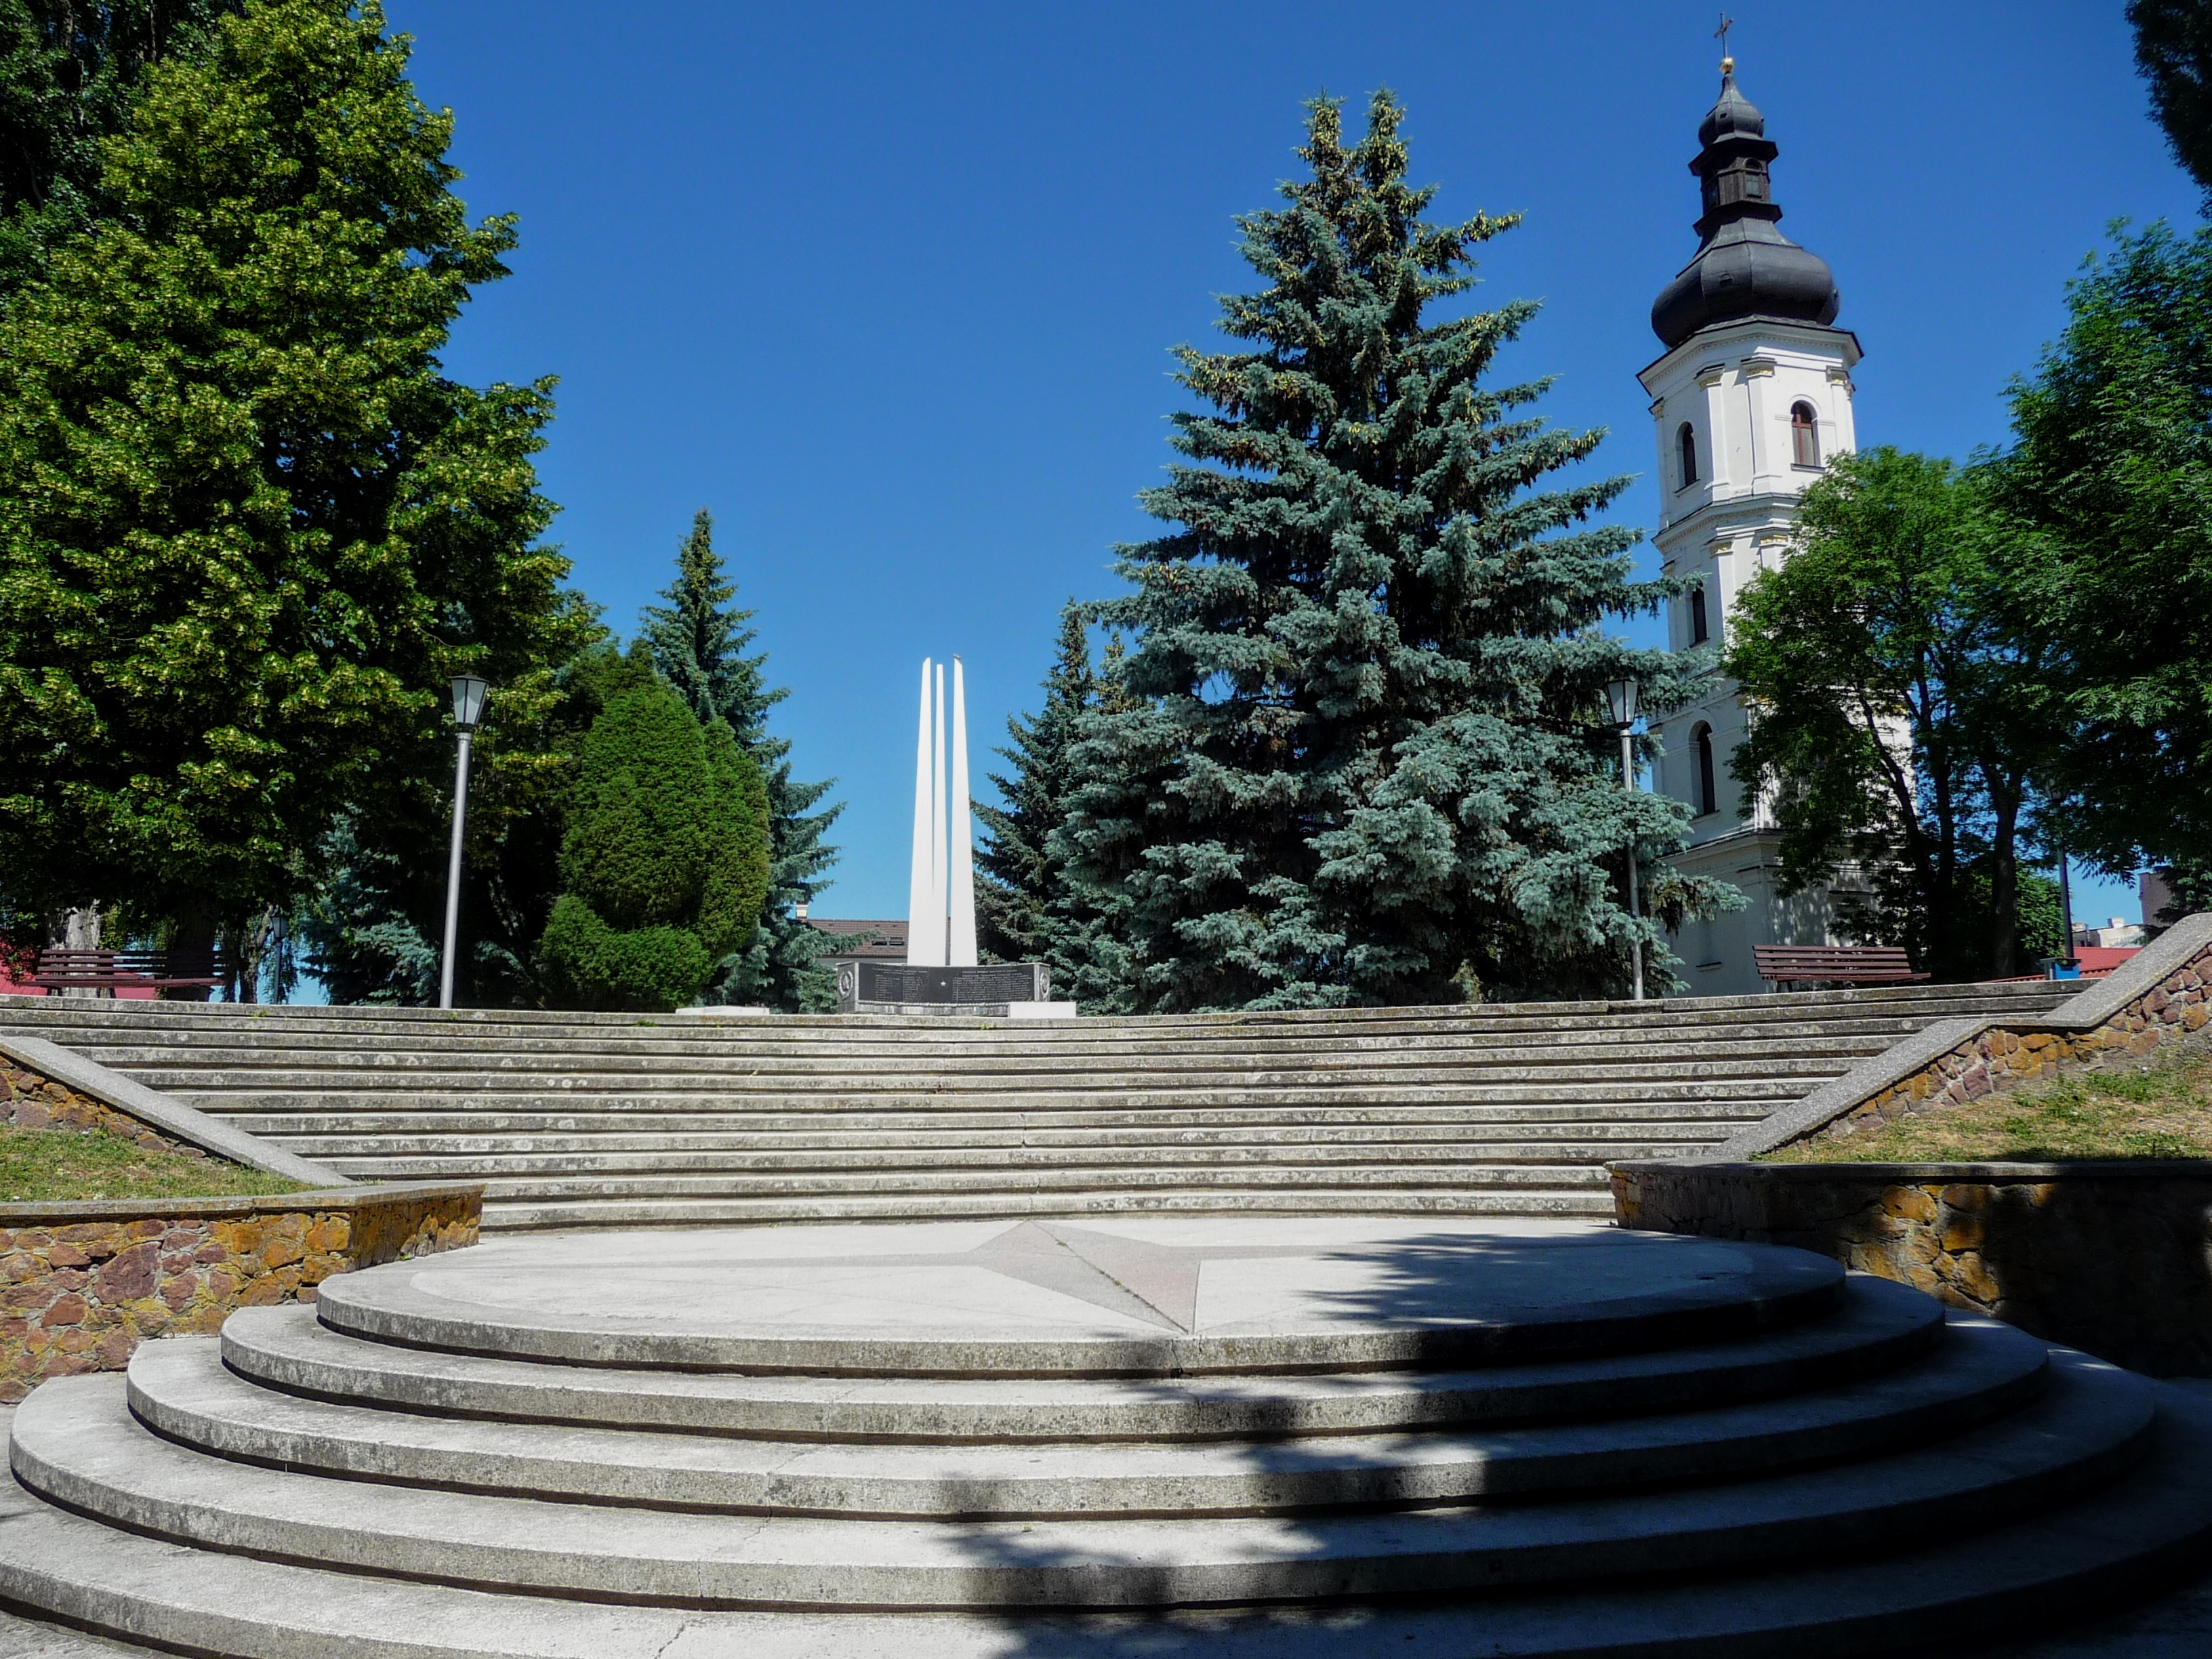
(1742, 1454)
(618, 1120)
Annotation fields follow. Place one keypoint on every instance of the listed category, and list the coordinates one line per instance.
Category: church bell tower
(1751, 400)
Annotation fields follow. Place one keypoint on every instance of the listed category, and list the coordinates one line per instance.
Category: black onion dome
(1744, 267)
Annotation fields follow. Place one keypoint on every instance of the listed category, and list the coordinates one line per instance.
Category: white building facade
(1751, 401)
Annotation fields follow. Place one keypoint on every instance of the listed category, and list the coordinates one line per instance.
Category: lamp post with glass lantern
(468, 713)
(1620, 696)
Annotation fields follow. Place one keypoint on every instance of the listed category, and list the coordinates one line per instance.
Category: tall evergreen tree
(1367, 761)
(1022, 897)
(248, 526)
(698, 641)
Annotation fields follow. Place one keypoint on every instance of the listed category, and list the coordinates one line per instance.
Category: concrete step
(1878, 1325)
(1477, 1100)
(182, 1391)
(239, 1048)
(1948, 1591)
(1491, 1141)
(1467, 1177)
(1628, 1067)
(525, 1024)
(1586, 1200)
(76, 1445)
(395, 1164)
(586, 1119)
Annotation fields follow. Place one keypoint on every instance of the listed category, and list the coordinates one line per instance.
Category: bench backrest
(1783, 962)
(98, 967)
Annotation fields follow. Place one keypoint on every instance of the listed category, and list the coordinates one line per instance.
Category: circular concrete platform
(1117, 1297)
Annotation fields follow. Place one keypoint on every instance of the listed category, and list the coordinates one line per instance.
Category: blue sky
(891, 288)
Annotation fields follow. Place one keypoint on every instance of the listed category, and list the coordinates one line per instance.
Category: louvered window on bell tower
(1708, 795)
(1700, 630)
(1685, 440)
(1804, 436)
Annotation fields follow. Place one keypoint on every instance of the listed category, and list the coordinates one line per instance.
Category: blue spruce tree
(698, 641)
(1357, 754)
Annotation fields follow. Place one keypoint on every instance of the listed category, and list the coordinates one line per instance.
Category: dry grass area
(2158, 1111)
(42, 1165)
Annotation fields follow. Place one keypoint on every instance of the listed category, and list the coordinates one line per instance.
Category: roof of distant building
(888, 944)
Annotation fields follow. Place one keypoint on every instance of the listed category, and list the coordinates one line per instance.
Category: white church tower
(1750, 401)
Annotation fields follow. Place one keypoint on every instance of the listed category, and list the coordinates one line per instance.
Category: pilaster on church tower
(1751, 400)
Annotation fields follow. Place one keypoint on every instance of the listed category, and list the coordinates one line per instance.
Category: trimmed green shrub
(664, 864)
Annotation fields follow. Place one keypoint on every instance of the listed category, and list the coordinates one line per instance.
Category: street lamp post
(468, 712)
(1620, 695)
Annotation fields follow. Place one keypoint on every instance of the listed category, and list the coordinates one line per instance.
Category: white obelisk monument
(940, 917)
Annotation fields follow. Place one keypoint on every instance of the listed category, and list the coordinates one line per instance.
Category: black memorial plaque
(884, 986)
(902, 981)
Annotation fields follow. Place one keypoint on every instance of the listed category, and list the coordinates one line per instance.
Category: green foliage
(2109, 483)
(666, 834)
(2173, 50)
(1026, 907)
(248, 528)
(648, 969)
(69, 72)
(698, 641)
(1357, 753)
(1898, 720)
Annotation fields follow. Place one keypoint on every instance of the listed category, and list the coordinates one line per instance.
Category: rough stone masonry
(83, 1283)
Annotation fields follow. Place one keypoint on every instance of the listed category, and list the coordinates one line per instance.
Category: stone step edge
(184, 1392)
(75, 1445)
(1878, 1326)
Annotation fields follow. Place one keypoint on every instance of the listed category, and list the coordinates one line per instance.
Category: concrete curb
(2088, 1009)
(159, 1111)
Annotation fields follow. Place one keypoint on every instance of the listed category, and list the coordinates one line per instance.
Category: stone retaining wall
(35, 1101)
(2113, 1258)
(2160, 997)
(2005, 1059)
(83, 1283)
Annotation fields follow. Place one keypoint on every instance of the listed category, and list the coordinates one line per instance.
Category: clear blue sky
(890, 289)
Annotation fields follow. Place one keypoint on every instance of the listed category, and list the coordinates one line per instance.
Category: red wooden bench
(1833, 964)
(66, 968)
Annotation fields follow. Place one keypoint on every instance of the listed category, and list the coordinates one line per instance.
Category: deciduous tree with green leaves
(1365, 757)
(69, 72)
(698, 641)
(2109, 482)
(1899, 718)
(249, 528)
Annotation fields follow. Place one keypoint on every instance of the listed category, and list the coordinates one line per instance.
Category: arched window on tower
(1700, 629)
(1804, 435)
(1701, 740)
(1685, 440)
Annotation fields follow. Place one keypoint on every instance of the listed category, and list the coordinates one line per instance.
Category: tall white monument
(940, 924)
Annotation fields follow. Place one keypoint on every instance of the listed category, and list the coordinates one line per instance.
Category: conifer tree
(1019, 880)
(1367, 760)
(664, 856)
(698, 641)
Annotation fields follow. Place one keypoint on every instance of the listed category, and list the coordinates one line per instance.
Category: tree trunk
(2005, 888)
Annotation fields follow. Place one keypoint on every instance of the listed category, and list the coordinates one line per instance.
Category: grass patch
(42, 1165)
(2163, 1110)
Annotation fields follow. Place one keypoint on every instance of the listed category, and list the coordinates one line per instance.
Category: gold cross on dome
(1721, 35)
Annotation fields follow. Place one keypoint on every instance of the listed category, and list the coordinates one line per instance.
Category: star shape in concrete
(1157, 1283)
